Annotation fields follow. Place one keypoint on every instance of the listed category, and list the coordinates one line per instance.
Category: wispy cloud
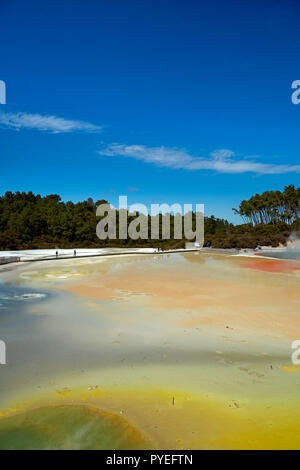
(132, 188)
(51, 124)
(221, 161)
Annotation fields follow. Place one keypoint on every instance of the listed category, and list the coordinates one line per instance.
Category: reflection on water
(10, 293)
(178, 346)
(285, 254)
(292, 251)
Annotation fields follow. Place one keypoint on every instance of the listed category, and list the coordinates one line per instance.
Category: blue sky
(166, 101)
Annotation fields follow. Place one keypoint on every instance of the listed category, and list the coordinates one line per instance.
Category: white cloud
(222, 160)
(52, 124)
(222, 154)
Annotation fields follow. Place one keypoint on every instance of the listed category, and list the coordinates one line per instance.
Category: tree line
(29, 221)
(272, 207)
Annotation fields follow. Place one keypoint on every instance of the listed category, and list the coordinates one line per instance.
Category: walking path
(31, 256)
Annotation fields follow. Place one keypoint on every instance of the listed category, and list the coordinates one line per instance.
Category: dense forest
(29, 221)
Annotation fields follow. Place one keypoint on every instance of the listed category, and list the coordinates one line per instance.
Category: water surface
(181, 351)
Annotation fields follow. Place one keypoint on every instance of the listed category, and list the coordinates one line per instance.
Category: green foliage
(29, 221)
(272, 207)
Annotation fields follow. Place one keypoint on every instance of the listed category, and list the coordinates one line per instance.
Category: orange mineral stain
(272, 266)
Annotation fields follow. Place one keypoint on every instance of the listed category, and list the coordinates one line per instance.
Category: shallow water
(68, 427)
(190, 350)
(287, 254)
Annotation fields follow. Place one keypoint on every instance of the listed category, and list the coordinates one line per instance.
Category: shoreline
(28, 256)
